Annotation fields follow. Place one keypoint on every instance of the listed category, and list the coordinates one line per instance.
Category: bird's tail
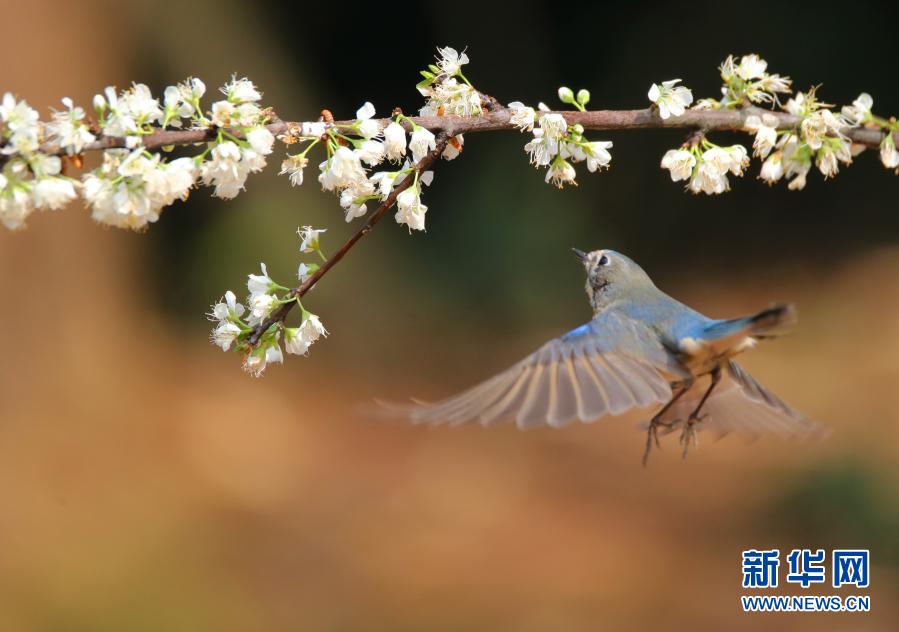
(772, 322)
(769, 323)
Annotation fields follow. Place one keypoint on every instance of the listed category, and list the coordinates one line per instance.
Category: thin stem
(281, 313)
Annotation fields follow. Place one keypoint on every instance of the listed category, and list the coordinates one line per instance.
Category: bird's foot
(689, 434)
(652, 436)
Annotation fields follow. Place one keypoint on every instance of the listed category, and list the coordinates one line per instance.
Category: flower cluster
(446, 88)
(705, 165)
(29, 178)
(555, 143)
(353, 149)
(817, 139)
(133, 184)
(266, 296)
(859, 113)
(747, 82)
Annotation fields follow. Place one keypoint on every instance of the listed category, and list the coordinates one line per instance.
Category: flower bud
(566, 95)
(583, 96)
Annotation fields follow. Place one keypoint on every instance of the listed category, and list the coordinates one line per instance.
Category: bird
(643, 350)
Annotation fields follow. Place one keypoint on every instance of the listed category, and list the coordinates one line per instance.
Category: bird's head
(611, 276)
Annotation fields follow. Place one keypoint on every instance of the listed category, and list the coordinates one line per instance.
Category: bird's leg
(689, 433)
(652, 433)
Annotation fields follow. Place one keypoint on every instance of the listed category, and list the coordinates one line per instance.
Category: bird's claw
(689, 433)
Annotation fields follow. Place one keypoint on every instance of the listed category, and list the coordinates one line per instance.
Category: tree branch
(499, 119)
(281, 313)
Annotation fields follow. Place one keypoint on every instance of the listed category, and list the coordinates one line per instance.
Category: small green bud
(583, 96)
(566, 95)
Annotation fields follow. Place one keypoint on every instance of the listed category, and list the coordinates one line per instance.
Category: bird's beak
(580, 254)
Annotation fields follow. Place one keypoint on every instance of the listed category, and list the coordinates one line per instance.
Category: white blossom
(15, 199)
(395, 141)
(680, 163)
(131, 112)
(522, 116)
(672, 100)
(827, 163)
(772, 169)
(765, 128)
(421, 142)
(452, 97)
(353, 199)
(68, 129)
(259, 283)
(255, 362)
(799, 180)
(541, 150)
(293, 166)
(384, 181)
(560, 173)
(228, 308)
(20, 124)
(859, 111)
(261, 140)
(304, 271)
(312, 329)
(410, 210)
(750, 80)
(309, 238)
(708, 179)
(130, 189)
(450, 61)
(261, 306)
(228, 168)
(889, 156)
(553, 125)
(241, 91)
(224, 334)
(54, 192)
(342, 170)
(371, 152)
(367, 126)
(598, 154)
(751, 67)
(222, 113)
(293, 341)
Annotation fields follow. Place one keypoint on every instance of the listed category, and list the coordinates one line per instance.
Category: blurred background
(149, 484)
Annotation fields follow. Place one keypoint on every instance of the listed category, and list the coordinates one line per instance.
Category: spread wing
(742, 405)
(603, 368)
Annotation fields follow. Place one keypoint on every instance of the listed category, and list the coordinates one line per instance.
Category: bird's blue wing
(603, 368)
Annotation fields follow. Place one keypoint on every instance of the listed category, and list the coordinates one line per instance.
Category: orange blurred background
(150, 485)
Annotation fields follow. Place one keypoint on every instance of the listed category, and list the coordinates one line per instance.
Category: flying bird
(641, 350)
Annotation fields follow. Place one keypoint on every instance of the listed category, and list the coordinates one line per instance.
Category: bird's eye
(603, 260)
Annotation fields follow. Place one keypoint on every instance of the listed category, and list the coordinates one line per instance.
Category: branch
(281, 313)
(498, 119)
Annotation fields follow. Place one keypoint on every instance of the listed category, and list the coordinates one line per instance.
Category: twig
(281, 313)
(499, 119)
